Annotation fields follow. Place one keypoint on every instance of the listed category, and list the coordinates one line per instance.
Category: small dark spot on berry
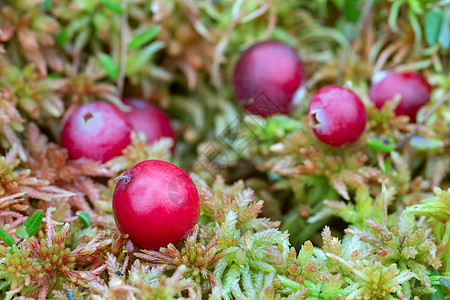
(87, 116)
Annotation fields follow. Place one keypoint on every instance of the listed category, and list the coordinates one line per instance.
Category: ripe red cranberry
(337, 115)
(149, 119)
(96, 130)
(269, 78)
(413, 89)
(155, 203)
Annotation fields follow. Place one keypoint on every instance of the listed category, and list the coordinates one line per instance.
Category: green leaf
(433, 20)
(141, 58)
(393, 15)
(21, 232)
(387, 168)
(444, 34)
(113, 6)
(84, 217)
(62, 36)
(144, 37)
(54, 76)
(47, 5)
(34, 222)
(110, 65)
(6, 237)
(381, 144)
(351, 10)
(424, 144)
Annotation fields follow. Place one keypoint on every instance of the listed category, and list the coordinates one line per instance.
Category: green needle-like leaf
(62, 36)
(351, 10)
(84, 217)
(110, 65)
(433, 21)
(33, 223)
(47, 5)
(6, 237)
(113, 6)
(144, 37)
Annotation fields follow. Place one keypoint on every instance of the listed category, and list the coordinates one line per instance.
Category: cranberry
(337, 115)
(96, 130)
(269, 76)
(149, 119)
(413, 89)
(155, 203)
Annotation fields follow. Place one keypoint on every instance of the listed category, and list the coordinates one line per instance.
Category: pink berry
(337, 115)
(155, 203)
(149, 119)
(269, 77)
(96, 130)
(413, 89)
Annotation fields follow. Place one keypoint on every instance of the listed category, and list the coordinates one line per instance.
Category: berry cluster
(100, 131)
(155, 202)
(337, 115)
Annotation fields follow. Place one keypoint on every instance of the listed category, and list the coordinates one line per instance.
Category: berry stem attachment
(124, 177)
(314, 122)
(426, 116)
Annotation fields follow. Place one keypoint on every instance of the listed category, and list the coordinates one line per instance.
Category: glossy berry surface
(155, 203)
(96, 130)
(268, 78)
(337, 115)
(148, 118)
(413, 89)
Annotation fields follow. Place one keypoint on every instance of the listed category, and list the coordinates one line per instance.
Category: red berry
(271, 76)
(96, 130)
(413, 89)
(337, 115)
(149, 119)
(155, 203)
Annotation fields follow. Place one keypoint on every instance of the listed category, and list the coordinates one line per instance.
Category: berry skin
(413, 88)
(271, 76)
(155, 203)
(149, 119)
(337, 115)
(96, 130)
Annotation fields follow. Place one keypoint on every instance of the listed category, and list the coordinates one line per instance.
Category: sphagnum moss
(369, 220)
